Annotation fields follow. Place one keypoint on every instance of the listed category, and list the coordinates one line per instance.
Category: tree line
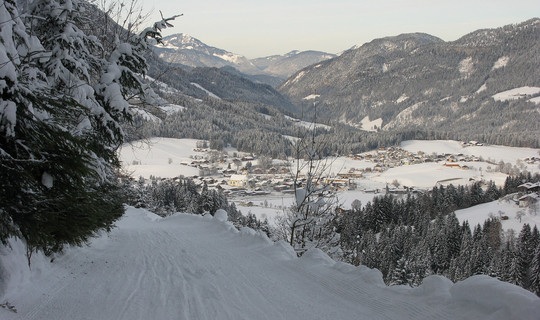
(183, 195)
(408, 239)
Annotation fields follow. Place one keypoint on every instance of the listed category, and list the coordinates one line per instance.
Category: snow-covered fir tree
(61, 107)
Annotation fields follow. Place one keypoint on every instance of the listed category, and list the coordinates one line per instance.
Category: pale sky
(255, 28)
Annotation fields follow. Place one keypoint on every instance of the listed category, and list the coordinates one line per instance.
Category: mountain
(225, 83)
(193, 267)
(186, 50)
(285, 65)
(419, 82)
(233, 87)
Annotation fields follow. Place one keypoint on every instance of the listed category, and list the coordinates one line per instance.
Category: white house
(238, 180)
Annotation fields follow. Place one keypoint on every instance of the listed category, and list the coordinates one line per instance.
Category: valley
(266, 190)
(146, 175)
(407, 154)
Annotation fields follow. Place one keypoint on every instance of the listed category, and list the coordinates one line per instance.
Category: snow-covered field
(517, 93)
(480, 213)
(496, 153)
(371, 125)
(154, 154)
(309, 125)
(193, 267)
(427, 175)
(271, 206)
(146, 158)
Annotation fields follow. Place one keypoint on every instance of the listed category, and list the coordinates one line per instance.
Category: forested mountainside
(417, 81)
(198, 82)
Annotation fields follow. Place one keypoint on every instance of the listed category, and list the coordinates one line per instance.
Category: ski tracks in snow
(183, 267)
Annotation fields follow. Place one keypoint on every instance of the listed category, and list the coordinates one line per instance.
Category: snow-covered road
(192, 267)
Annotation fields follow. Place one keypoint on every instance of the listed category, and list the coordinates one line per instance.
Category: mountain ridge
(417, 81)
(186, 50)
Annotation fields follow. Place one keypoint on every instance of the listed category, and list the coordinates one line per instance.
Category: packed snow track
(193, 267)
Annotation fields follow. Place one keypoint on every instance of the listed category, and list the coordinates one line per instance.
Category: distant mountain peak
(186, 50)
(181, 41)
(402, 41)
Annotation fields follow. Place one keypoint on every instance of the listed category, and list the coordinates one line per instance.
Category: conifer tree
(59, 122)
(524, 255)
(401, 274)
(504, 266)
(368, 251)
(535, 271)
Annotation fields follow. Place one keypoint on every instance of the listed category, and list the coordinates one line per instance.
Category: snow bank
(14, 270)
(193, 267)
(436, 288)
(316, 256)
(221, 215)
(500, 300)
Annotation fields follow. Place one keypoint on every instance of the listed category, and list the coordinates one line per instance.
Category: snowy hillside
(193, 267)
(517, 216)
(496, 153)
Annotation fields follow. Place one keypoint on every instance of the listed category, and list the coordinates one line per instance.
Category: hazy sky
(257, 28)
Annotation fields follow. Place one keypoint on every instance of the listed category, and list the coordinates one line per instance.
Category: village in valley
(265, 186)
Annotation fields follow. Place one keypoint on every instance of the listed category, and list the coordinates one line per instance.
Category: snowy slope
(480, 213)
(146, 158)
(193, 267)
(516, 93)
(496, 153)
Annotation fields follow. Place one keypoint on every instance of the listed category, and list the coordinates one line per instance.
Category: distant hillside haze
(186, 50)
(286, 65)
